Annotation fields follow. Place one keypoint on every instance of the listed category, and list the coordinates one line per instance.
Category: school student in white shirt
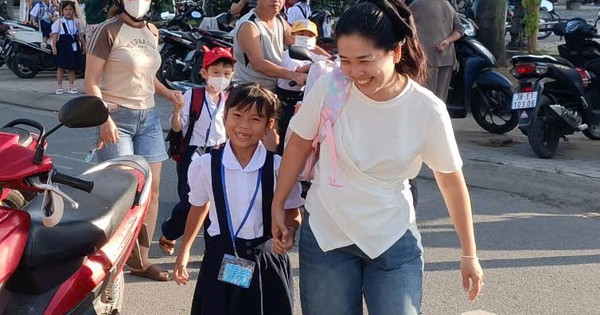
(299, 11)
(206, 133)
(232, 189)
(359, 237)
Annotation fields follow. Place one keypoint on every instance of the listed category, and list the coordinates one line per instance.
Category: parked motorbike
(182, 54)
(26, 55)
(478, 86)
(560, 95)
(65, 250)
(186, 11)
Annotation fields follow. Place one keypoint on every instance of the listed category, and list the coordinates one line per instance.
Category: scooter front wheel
(110, 301)
(490, 107)
(23, 71)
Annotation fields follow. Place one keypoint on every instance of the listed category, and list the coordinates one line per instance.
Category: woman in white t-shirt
(359, 235)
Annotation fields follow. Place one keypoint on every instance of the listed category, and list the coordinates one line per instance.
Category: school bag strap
(333, 104)
(268, 187)
(216, 158)
(178, 143)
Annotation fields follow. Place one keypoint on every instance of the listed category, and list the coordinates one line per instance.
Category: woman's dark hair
(387, 23)
(247, 95)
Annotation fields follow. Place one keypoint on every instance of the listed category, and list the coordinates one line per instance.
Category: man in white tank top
(258, 46)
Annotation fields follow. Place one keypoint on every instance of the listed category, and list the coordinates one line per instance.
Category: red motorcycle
(60, 257)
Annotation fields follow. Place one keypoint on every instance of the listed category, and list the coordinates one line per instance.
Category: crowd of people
(239, 180)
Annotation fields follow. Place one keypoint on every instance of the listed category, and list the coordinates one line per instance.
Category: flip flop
(166, 246)
(153, 272)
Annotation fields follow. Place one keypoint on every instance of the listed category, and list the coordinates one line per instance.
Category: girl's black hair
(387, 23)
(65, 4)
(247, 95)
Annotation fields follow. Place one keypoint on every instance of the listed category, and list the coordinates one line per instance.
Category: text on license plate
(524, 100)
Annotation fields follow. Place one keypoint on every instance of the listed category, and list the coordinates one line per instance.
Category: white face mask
(218, 83)
(137, 8)
(304, 41)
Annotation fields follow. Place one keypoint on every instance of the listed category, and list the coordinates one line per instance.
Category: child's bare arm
(194, 221)
(53, 37)
(176, 119)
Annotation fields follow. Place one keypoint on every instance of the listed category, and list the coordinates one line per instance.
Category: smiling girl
(359, 236)
(233, 188)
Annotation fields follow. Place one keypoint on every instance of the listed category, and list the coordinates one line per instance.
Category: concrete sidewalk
(496, 162)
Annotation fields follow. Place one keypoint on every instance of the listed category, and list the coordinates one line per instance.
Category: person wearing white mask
(121, 67)
(207, 132)
(305, 35)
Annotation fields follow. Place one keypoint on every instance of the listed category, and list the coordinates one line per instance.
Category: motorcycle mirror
(196, 15)
(82, 112)
(299, 53)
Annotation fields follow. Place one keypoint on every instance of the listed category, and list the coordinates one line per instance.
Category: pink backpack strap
(336, 97)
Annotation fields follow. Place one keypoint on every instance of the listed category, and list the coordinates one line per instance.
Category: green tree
(531, 22)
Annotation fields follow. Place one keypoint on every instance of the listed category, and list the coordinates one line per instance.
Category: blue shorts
(140, 133)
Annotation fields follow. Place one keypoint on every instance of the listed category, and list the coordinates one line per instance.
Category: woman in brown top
(121, 65)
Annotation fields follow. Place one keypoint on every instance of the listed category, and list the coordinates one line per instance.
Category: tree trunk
(491, 27)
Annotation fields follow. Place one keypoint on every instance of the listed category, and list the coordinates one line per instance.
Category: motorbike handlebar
(27, 122)
(71, 181)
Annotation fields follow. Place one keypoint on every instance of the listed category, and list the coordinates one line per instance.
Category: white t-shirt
(379, 146)
(240, 184)
(216, 134)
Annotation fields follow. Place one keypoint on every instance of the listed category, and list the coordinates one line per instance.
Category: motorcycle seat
(544, 58)
(25, 138)
(83, 231)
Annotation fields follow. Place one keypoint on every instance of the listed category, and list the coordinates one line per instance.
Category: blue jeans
(140, 133)
(333, 282)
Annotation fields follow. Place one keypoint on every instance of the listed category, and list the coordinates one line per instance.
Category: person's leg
(443, 82)
(71, 78)
(432, 76)
(393, 282)
(148, 142)
(59, 80)
(173, 227)
(330, 282)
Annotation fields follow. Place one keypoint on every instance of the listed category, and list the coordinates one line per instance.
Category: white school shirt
(379, 146)
(73, 26)
(217, 128)
(240, 184)
(295, 12)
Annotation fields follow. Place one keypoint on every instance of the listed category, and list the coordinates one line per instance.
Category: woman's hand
(180, 274)
(286, 243)
(279, 230)
(471, 270)
(109, 132)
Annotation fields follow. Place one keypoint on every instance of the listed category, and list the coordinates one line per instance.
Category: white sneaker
(59, 90)
(72, 89)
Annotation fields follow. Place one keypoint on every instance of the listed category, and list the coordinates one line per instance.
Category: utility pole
(491, 19)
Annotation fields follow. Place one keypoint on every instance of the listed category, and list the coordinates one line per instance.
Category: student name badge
(74, 46)
(236, 271)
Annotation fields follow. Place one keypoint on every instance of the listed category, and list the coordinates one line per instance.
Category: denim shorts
(335, 282)
(140, 133)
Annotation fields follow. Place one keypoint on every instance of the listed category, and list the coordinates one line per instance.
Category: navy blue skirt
(66, 57)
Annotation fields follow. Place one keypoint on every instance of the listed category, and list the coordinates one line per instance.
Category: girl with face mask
(120, 68)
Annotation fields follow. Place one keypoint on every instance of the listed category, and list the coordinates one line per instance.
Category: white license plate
(524, 100)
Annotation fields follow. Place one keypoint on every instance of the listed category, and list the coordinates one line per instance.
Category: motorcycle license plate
(524, 100)
(190, 55)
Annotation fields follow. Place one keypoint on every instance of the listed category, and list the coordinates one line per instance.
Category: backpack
(332, 107)
(177, 142)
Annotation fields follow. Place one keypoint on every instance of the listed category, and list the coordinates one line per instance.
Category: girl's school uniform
(68, 46)
(218, 178)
